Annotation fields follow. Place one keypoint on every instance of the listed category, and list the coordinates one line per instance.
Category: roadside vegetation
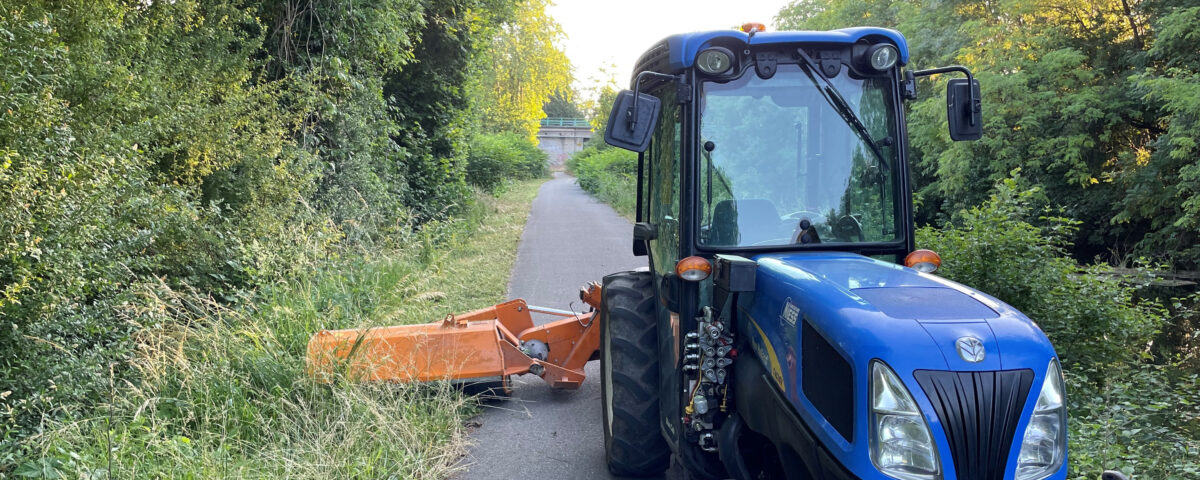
(608, 173)
(1074, 206)
(1095, 101)
(189, 189)
(495, 159)
(222, 391)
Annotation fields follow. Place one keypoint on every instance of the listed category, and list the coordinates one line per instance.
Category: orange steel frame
(483, 345)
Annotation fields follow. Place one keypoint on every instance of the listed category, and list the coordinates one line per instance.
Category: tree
(603, 93)
(562, 105)
(522, 70)
(1163, 181)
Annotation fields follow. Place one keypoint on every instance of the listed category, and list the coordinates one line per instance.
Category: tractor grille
(827, 380)
(655, 60)
(979, 412)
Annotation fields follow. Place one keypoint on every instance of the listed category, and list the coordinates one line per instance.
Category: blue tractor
(786, 326)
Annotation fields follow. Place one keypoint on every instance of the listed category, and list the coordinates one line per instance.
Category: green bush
(608, 173)
(994, 247)
(494, 159)
(1143, 419)
(1126, 412)
(211, 149)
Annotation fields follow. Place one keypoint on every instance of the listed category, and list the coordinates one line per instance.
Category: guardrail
(565, 122)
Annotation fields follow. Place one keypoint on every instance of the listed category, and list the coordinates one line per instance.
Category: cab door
(661, 209)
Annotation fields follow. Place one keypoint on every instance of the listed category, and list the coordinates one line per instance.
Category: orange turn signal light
(924, 261)
(753, 26)
(693, 269)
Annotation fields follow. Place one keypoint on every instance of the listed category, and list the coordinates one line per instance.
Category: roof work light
(882, 56)
(715, 60)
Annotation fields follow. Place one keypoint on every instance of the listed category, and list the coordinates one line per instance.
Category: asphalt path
(570, 239)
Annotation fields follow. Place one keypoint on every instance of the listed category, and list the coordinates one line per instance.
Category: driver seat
(744, 222)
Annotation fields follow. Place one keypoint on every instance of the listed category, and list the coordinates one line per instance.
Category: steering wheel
(800, 216)
(772, 241)
(813, 219)
(847, 228)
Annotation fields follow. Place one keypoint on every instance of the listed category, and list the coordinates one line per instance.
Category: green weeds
(608, 173)
(495, 159)
(222, 391)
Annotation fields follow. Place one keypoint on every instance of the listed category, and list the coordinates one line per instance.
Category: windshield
(780, 166)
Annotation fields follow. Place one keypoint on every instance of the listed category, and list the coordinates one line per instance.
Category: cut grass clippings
(224, 394)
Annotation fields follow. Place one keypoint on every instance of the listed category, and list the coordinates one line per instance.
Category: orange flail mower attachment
(489, 344)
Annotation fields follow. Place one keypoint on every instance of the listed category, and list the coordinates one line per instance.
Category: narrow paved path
(570, 239)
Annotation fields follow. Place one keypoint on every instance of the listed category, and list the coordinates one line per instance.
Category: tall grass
(222, 392)
(608, 173)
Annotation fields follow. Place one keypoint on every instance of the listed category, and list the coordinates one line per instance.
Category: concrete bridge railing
(562, 137)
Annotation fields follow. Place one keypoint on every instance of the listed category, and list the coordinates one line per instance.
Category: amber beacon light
(693, 269)
(924, 261)
(753, 27)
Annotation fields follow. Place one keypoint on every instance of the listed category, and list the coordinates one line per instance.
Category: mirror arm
(975, 104)
(637, 85)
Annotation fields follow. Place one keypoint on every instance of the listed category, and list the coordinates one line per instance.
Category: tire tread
(634, 447)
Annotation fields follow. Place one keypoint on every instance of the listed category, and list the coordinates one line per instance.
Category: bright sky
(604, 33)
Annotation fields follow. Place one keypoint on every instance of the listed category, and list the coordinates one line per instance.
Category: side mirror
(964, 109)
(632, 120)
(643, 233)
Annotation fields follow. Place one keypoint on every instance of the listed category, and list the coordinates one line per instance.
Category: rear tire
(633, 443)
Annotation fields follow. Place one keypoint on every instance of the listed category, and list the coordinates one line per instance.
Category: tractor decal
(766, 352)
(790, 312)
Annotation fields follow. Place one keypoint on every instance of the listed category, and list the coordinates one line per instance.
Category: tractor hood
(817, 320)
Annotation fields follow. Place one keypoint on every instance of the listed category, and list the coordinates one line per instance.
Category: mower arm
(488, 344)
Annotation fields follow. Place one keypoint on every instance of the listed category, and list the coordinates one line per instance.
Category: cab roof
(680, 50)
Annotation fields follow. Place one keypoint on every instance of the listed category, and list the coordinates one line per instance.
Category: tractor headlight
(882, 56)
(901, 444)
(715, 61)
(1044, 447)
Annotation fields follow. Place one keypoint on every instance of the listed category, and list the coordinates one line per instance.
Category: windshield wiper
(838, 102)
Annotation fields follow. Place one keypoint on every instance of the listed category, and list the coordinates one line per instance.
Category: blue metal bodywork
(683, 48)
(874, 310)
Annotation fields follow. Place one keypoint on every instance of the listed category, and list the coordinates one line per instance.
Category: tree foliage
(601, 95)
(522, 70)
(1094, 100)
(562, 105)
(212, 147)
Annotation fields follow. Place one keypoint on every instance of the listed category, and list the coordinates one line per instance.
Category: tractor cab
(778, 141)
(795, 330)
